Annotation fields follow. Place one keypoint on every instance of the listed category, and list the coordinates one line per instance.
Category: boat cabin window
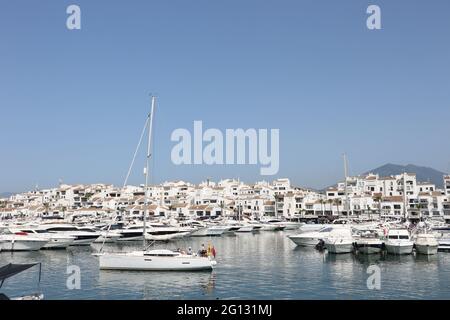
(62, 229)
(393, 237)
(160, 255)
(404, 237)
(326, 230)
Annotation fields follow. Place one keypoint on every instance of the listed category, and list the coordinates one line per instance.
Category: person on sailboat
(190, 251)
(203, 252)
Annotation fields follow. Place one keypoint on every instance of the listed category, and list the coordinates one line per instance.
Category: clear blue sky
(73, 103)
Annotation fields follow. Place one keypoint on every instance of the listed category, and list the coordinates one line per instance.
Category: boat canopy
(12, 269)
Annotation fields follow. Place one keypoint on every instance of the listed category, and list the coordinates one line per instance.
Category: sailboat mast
(147, 163)
(346, 184)
(405, 202)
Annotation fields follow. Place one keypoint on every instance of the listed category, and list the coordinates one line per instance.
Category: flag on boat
(211, 251)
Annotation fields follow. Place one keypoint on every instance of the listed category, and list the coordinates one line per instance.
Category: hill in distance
(424, 174)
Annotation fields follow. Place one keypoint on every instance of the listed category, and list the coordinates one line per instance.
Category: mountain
(424, 174)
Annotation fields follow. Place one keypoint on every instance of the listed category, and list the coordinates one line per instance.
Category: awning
(12, 269)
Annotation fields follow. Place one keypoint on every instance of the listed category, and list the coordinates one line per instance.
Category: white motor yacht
(163, 232)
(131, 233)
(213, 231)
(281, 225)
(21, 241)
(247, 229)
(369, 245)
(426, 244)
(312, 227)
(107, 235)
(399, 242)
(55, 241)
(312, 239)
(442, 235)
(83, 236)
(288, 225)
(444, 244)
(340, 241)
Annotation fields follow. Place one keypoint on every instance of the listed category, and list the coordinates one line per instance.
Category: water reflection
(159, 285)
(261, 266)
(368, 259)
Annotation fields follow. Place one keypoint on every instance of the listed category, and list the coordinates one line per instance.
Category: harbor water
(259, 266)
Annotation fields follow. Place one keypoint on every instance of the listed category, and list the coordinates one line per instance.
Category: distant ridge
(424, 174)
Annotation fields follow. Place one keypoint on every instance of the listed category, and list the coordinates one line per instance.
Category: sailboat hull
(132, 262)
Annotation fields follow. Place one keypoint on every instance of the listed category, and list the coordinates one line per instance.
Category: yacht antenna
(149, 144)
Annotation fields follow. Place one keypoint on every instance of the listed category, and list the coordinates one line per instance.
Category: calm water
(260, 266)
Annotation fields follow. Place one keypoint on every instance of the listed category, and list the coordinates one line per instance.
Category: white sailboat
(154, 260)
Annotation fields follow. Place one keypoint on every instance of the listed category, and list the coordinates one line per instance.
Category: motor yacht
(21, 241)
(399, 242)
(131, 233)
(340, 241)
(426, 244)
(212, 231)
(55, 241)
(313, 238)
(83, 236)
(163, 232)
(369, 245)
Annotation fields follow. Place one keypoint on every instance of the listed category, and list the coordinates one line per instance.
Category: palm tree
(377, 199)
(222, 206)
(46, 207)
(322, 202)
(337, 202)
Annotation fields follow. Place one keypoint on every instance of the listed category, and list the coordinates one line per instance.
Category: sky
(73, 102)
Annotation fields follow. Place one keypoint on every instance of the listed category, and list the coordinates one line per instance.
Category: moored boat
(399, 242)
(155, 260)
(340, 242)
(21, 241)
(426, 244)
